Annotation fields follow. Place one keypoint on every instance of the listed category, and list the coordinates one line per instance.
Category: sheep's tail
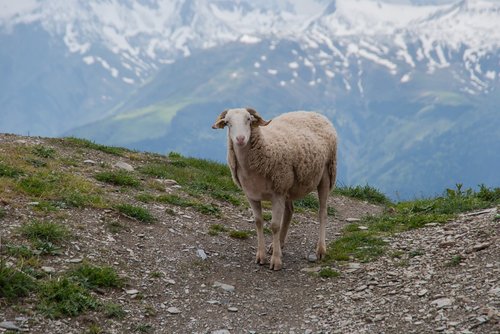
(332, 165)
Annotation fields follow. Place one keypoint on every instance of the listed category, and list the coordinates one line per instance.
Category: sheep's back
(297, 147)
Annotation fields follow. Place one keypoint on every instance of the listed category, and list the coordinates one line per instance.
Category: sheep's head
(240, 122)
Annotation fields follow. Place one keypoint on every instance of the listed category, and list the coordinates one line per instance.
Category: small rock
(352, 220)
(221, 331)
(312, 257)
(361, 288)
(224, 286)
(495, 291)
(440, 329)
(479, 247)
(124, 166)
(49, 269)
(170, 281)
(169, 182)
(422, 292)
(89, 162)
(363, 228)
(9, 325)
(442, 302)
(232, 309)
(201, 253)
(311, 269)
(75, 260)
(132, 292)
(173, 310)
(213, 302)
(33, 203)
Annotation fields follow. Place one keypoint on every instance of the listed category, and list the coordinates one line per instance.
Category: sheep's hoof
(275, 263)
(260, 258)
(270, 248)
(321, 252)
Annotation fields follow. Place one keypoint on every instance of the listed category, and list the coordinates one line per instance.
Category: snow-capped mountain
(402, 80)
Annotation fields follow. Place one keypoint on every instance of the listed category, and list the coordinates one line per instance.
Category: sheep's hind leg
(278, 211)
(260, 256)
(323, 190)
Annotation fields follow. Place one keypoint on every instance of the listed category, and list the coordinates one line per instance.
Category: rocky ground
(181, 279)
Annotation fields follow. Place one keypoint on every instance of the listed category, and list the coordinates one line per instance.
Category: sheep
(281, 160)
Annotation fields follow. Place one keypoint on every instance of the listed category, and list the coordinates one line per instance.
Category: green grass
(118, 178)
(93, 277)
(8, 171)
(112, 310)
(43, 151)
(136, 212)
(216, 229)
(454, 261)
(240, 234)
(37, 231)
(64, 297)
(368, 245)
(84, 143)
(327, 272)
(364, 193)
(14, 283)
(2, 213)
(197, 177)
(20, 251)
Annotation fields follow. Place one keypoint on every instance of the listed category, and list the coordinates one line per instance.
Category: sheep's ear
(257, 119)
(220, 123)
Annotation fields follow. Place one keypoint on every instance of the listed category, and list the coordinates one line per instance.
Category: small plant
(156, 274)
(364, 193)
(416, 252)
(215, 229)
(43, 152)
(94, 329)
(8, 171)
(455, 261)
(144, 328)
(14, 283)
(2, 213)
(114, 226)
(237, 234)
(150, 311)
(362, 245)
(93, 277)
(44, 232)
(21, 251)
(62, 297)
(118, 178)
(327, 272)
(136, 212)
(112, 310)
(267, 216)
(84, 143)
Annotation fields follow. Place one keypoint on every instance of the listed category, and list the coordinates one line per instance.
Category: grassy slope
(53, 177)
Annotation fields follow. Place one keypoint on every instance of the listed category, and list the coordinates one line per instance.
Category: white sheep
(280, 161)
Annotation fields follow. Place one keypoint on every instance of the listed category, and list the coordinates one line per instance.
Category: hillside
(100, 239)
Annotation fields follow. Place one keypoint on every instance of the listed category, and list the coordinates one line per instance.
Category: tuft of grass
(240, 234)
(8, 171)
(327, 272)
(361, 245)
(118, 178)
(364, 193)
(84, 143)
(43, 151)
(455, 261)
(14, 283)
(93, 277)
(215, 229)
(21, 251)
(2, 213)
(63, 297)
(207, 209)
(197, 177)
(144, 328)
(37, 231)
(136, 212)
(112, 310)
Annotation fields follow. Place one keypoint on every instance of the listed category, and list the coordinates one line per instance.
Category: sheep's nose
(240, 140)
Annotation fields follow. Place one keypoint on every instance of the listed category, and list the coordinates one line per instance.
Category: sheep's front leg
(260, 256)
(278, 209)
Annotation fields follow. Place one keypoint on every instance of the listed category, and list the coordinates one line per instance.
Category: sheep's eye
(248, 119)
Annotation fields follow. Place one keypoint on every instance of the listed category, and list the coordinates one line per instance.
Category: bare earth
(409, 290)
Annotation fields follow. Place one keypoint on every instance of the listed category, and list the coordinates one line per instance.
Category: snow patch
(272, 71)
(293, 65)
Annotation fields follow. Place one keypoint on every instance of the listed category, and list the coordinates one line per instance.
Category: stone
(442, 302)
(311, 269)
(232, 309)
(49, 269)
(312, 257)
(221, 331)
(422, 292)
(481, 246)
(363, 228)
(75, 260)
(132, 292)
(352, 220)
(89, 162)
(9, 325)
(173, 310)
(224, 286)
(201, 253)
(124, 166)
